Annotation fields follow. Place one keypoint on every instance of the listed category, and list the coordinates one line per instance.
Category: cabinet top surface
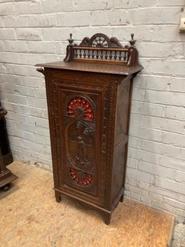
(93, 67)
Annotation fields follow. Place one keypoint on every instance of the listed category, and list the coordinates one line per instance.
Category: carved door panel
(80, 117)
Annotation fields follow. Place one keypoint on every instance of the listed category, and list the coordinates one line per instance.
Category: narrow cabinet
(89, 98)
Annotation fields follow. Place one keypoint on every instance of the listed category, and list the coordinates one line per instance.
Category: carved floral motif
(101, 40)
(80, 106)
(80, 177)
(80, 131)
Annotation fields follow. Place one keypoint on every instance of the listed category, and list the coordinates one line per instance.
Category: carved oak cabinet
(88, 99)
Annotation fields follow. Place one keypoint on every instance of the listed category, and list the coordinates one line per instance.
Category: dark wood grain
(89, 96)
(4, 142)
(6, 177)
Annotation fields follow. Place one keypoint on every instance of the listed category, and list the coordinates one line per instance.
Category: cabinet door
(79, 126)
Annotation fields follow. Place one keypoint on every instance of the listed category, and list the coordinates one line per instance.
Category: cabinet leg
(107, 218)
(121, 198)
(57, 196)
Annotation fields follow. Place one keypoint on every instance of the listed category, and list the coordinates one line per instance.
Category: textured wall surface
(36, 31)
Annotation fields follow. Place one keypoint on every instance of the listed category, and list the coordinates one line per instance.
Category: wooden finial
(132, 41)
(71, 39)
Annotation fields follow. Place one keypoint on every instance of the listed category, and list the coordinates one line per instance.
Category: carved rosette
(101, 40)
(80, 133)
(80, 106)
(81, 178)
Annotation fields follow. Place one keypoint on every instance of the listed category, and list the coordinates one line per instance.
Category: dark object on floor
(4, 142)
(89, 98)
(6, 177)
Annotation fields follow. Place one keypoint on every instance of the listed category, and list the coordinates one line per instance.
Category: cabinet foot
(58, 196)
(107, 218)
(121, 198)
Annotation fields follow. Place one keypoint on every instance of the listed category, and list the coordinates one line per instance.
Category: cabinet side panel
(53, 115)
(121, 139)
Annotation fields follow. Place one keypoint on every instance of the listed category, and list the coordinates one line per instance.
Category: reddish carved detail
(80, 106)
(81, 178)
(81, 109)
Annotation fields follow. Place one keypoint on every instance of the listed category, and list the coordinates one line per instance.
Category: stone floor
(30, 216)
